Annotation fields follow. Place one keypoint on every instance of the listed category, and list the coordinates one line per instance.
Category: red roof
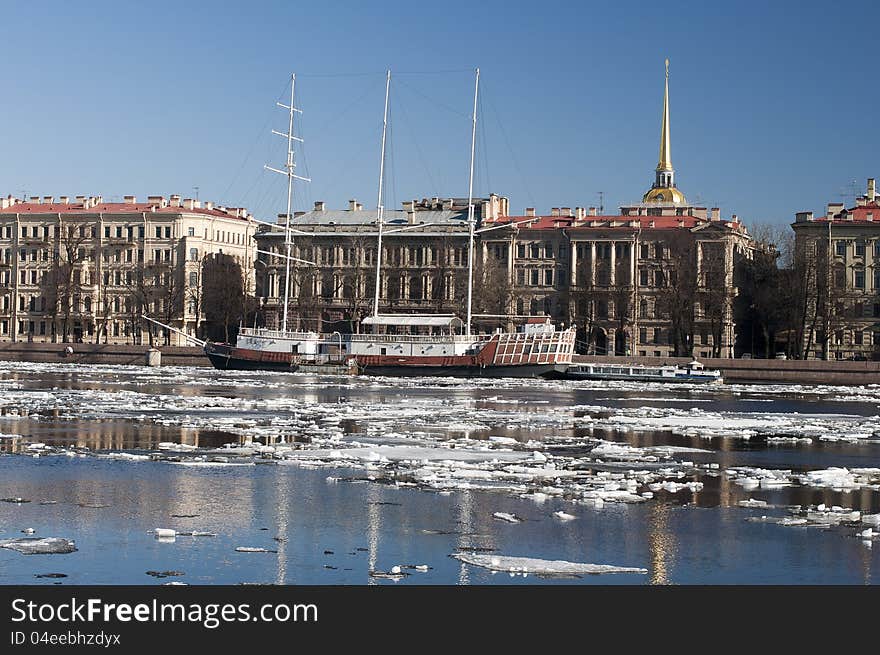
(855, 214)
(606, 222)
(111, 208)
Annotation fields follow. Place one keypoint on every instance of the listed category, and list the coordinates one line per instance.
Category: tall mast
(471, 210)
(380, 209)
(288, 171)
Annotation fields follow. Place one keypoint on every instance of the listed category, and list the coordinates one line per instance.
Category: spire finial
(665, 160)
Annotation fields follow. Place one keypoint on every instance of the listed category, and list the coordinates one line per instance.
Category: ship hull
(460, 370)
(230, 358)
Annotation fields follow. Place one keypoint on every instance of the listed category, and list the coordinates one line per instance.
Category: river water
(340, 480)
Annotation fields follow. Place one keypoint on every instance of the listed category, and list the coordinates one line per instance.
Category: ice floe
(525, 565)
(44, 546)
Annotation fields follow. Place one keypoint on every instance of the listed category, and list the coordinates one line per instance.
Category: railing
(420, 338)
(278, 334)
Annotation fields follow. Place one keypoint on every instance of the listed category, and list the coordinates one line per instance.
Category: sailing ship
(400, 344)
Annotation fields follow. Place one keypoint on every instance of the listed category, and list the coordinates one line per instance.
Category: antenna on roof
(849, 191)
(601, 202)
(196, 189)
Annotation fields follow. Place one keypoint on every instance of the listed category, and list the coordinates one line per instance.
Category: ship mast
(380, 209)
(288, 171)
(471, 210)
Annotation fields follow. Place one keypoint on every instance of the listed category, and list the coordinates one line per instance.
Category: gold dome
(664, 195)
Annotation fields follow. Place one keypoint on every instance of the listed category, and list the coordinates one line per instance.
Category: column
(612, 276)
(592, 280)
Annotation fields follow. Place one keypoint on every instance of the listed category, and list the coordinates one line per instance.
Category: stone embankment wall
(769, 371)
(96, 353)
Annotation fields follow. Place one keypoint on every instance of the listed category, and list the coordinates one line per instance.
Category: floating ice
(44, 546)
(504, 516)
(540, 566)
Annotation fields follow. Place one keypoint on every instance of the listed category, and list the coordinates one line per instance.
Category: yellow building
(85, 270)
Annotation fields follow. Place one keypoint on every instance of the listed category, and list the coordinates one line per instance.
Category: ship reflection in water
(337, 525)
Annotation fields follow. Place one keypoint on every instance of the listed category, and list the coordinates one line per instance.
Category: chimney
(872, 190)
(448, 203)
(359, 207)
(209, 205)
(833, 208)
(319, 205)
(733, 218)
(715, 214)
(848, 216)
(554, 211)
(530, 211)
(174, 200)
(869, 216)
(35, 200)
(159, 201)
(803, 217)
(409, 205)
(579, 212)
(592, 211)
(352, 205)
(565, 211)
(48, 200)
(97, 200)
(129, 200)
(188, 203)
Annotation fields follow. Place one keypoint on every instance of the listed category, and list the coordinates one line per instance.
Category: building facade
(657, 279)
(333, 274)
(83, 269)
(838, 264)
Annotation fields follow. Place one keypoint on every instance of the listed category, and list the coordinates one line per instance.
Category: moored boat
(694, 372)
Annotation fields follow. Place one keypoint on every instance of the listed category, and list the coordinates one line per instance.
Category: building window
(643, 311)
(521, 250)
(548, 277)
(839, 278)
(534, 277)
(167, 231)
(860, 279)
(643, 335)
(860, 248)
(643, 277)
(644, 251)
(520, 277)
(535, 251)
(548, 250)
(658, 335)
(840, 248)
(857, 337)
(194, 279)
(191, 232)
(194, 254)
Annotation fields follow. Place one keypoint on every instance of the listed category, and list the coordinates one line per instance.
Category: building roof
(870, 211)
(118, 208)
(369, 216)
(611, 222)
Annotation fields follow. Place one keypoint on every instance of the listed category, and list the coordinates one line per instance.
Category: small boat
(694, 372)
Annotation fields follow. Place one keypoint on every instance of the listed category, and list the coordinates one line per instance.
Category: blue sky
(772, 104)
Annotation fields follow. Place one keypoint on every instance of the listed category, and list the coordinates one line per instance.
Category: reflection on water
(663, 544)
(338, 532)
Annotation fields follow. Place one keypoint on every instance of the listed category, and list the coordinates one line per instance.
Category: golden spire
(664, 190)
(665, 162)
